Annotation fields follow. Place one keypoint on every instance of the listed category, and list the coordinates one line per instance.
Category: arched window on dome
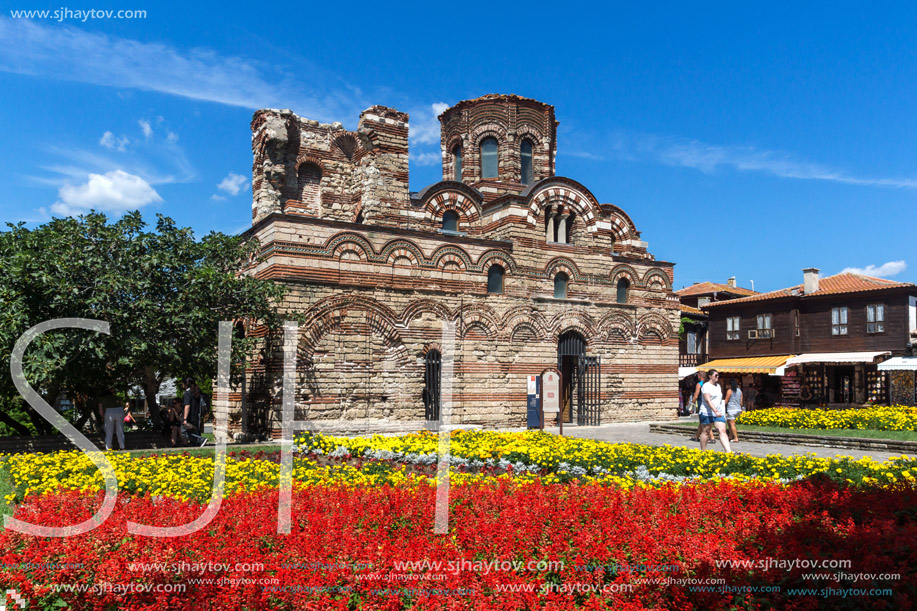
(450, 220)
(623, 288)
(495, 279)
(560, 285)
(525, 155)
(457, 163)
(489, 163)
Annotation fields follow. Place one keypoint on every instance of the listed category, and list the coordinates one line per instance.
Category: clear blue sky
(742, 141)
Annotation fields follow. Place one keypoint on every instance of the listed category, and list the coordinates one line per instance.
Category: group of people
(716, 409)
(183, 420)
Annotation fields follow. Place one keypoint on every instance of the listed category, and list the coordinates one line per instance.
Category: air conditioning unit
(752, 334)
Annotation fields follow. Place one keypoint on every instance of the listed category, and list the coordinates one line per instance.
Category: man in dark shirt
(192, 413)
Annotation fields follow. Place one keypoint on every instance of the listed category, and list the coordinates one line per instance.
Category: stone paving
(639, 432)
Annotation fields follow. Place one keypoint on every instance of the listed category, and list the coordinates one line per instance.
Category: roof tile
(830, 285)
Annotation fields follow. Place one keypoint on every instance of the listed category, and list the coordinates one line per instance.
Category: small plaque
(551, 384)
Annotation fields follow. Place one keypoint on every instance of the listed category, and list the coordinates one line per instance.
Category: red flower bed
(347, 543)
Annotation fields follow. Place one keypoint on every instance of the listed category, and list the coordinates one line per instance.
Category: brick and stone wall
(374, 276)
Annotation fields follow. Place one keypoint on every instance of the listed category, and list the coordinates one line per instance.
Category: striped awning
(837, 357)
(752, 364)
(899, 363)
(684, 372)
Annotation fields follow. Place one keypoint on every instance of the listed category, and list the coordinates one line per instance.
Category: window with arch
(560, 285)
(623, 288)
(310, 184)
(457, 163)
(489, 164)
(450, 220)
(525, 154)
(495, 279)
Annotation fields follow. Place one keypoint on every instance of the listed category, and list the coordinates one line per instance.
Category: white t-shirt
(716, 398)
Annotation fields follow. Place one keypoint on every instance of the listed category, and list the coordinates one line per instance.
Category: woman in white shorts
(733, 408)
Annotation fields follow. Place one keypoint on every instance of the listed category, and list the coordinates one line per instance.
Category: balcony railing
(691, 360)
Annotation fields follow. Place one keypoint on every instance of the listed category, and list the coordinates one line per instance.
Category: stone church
(532, 269)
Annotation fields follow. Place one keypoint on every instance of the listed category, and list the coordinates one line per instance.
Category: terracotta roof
(689, 310)
(702, 288)
(830, 285)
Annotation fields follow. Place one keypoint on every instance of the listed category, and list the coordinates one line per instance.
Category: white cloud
(74, 54)
(113, 143)
(146, 128)
(233, 183)
(427, 158)
(171, 137)
(115, 191)
(709, 158)
(425, 124)
(891, 268)
(217, 198)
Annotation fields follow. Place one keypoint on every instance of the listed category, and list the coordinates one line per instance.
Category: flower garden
(878, 418)
(536, 521)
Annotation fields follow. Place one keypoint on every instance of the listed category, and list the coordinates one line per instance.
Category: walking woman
(733, 408)
(712, 412)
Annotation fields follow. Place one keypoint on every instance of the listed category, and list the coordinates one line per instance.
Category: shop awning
(836, 357)
(899, 363)
(753, 364)
(684, 372)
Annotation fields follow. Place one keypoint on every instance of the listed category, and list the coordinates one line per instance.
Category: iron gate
(431, 385)
(587, 384)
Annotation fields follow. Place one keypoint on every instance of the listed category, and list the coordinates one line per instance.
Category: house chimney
(809, 280)
(731, 283)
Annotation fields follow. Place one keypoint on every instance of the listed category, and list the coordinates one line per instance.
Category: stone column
(549, 225)
(562, 228)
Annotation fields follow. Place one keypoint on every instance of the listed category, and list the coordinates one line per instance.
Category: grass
(861, 433)
(6, 487)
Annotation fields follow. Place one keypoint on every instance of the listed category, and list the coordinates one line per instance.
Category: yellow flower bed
(410, 460)
(886, 418)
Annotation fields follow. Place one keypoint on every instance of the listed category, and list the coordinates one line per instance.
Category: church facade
(531, 268)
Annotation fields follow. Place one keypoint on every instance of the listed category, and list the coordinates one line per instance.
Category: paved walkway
(639, 432)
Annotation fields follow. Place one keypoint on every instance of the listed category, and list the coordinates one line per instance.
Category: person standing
(712, 412)
(733, 408)
(128, 416)
(697, 400)
(192, 413)
(111, 411)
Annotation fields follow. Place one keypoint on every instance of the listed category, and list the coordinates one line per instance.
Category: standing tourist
(111, 411)
(191, 418)
(712, 412)
(697, 400)
(733, 408)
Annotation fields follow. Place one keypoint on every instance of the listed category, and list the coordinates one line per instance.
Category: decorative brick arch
(400, 248)
(484, 130)
(478, 315)
(616, 327)
(327, 315)
(496, 256)
(451, 254)
(419, 307)
(429, 347)
(525, 316)
(530, 132)
(655, 272)
(562, 197)
(562, 264)
(567, 320)
(651, 327)
(341, 242)
(468, 210)
(304, 159)
(622, 270)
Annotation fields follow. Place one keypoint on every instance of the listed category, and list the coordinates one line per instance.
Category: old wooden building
(818, 342)
(532, 268)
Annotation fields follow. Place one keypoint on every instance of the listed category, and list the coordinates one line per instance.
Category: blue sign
(533, 419)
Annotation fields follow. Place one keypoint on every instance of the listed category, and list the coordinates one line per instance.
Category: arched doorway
(431, 389)
(579, 380)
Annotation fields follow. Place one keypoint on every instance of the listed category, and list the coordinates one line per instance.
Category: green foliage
(163, 293)
(681, 327)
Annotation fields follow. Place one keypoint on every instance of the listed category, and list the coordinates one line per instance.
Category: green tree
(163, 293)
